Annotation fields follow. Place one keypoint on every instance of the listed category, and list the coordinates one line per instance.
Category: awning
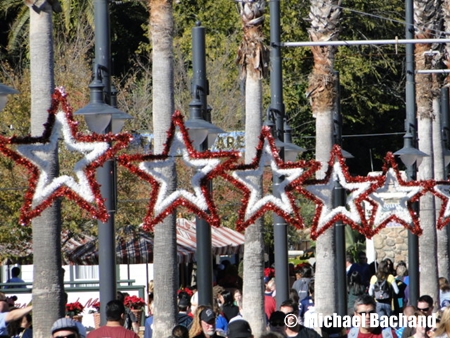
(135, 246)
(224, 241)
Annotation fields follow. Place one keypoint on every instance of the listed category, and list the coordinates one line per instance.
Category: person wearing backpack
(382, 286)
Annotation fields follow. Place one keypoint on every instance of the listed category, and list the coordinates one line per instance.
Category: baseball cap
(184, 300)
(239, 329)
(207, 315)
(64, 324)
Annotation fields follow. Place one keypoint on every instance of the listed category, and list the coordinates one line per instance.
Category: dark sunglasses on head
(73, 335)
(277, 324)
(424, 309)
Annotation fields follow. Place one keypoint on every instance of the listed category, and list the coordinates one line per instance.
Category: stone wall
(392, 243)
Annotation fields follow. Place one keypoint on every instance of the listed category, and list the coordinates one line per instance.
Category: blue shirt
(148, 327)
(3, 324)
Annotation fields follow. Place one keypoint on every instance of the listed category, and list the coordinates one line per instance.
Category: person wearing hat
(208, 324)
(184, 304)
(239, 328)
(65, 328)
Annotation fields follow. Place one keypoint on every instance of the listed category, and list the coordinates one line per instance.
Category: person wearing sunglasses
(424, 305)
(65, 328)
(364, 308)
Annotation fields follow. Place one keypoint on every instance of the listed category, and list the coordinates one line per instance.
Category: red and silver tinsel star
(156, 169)
(281, 200)
(321, 192)
(441, 189)
(32, 153)
(392, 200)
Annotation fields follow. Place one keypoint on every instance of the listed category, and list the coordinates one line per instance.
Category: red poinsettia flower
(74, 309)
(96, 306)
(134, 302)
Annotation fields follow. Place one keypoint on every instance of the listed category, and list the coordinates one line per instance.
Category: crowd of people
(380, 288)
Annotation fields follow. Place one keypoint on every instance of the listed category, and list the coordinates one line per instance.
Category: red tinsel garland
(28, 211)
(302, 170)
(325, 214)
(442, 191)
(412, 191)
(210, 212)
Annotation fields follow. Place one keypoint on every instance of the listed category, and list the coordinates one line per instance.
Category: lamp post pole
(277, 108)
(445, 118)
(200, 91)
(339, 200)
(410, 140)
(105, 174)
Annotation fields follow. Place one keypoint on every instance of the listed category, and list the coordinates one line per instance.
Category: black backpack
(382, 290)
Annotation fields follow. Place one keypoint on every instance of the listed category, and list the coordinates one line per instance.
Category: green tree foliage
(372, 80)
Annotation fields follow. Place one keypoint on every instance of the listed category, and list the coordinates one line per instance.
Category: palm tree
(427, 20)
(324, 17)
(72, 13)
(165, 254)
(48, 287)
(252, 59)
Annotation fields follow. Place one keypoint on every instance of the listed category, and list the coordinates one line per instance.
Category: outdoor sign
(234, 140)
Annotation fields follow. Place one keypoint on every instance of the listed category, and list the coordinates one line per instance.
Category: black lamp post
(409, 154)
(288, 151)
(102, 118)
(277, 109)
(339, 200)
(200, 131)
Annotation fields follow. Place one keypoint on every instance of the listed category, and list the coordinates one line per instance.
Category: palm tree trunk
(324, 17)
(48, 287)
(426, 17)
(165, 254)
(253, 289)
(252, 58)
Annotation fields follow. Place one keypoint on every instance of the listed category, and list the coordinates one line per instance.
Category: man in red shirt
(115, 315)
(364, 307)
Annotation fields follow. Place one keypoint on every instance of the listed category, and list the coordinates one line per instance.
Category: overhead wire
(437, 32)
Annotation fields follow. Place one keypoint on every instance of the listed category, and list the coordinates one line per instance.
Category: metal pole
(105, 174)
(339, 200)
(411, 128)
(445, 118)
(203, 229)
(277, 107)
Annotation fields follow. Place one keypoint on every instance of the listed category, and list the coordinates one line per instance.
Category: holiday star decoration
(281, 200)
(31, 153)
(321, 193)
(442, 191)
(156, 169)
(392, 200)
